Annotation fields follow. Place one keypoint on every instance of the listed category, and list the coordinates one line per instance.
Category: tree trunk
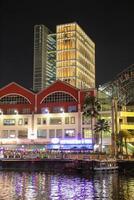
(126, 147)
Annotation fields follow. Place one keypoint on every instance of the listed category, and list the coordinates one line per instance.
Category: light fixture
(46, 111)
(1, 112)
(16, 112)
(62, 110)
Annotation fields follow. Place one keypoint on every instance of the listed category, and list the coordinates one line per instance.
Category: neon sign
(71, 141)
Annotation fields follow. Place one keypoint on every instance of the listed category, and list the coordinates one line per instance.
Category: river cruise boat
(105, 165)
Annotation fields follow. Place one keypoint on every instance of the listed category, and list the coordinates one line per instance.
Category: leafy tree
(101, 126)
(122, 138)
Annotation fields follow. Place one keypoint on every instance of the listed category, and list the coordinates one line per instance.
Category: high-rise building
(75, 54)
(44, 72)
(68, 55)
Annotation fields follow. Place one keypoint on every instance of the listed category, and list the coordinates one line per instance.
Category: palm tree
(123, 135)
(91, 110)
(101, 126)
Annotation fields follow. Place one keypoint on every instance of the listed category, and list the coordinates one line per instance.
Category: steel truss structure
(122, 87)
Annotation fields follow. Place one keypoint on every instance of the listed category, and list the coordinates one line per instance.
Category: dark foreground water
(45, 186)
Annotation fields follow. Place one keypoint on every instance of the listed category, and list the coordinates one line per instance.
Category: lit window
(13, 99)
(44, 121)
(4, 134)
(72, 109)
(9, 122)
(56, 120)
(20, 121)
(22, 133)
(72, 120)
(25, 121)
(59, 97)
(38, 121)
(69, 133)
(12, 134)
(42, 133)
(58, 133)
(66, 120)
(51, 133)
(26, 110)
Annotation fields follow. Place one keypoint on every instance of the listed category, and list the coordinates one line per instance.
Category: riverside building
(36, 119)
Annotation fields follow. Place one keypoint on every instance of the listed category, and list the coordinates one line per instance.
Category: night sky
(110, 24)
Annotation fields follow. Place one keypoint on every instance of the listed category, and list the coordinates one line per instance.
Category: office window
(51, 133)
(56, 121)
(9, 122)
(42, 133)
(69, 133)
(58, 133)
(66, 120)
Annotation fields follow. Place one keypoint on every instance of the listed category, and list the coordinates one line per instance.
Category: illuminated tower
(75, 56)
(44, 72)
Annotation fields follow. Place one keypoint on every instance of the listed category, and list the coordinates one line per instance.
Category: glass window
(38, 121)
(58, 133)
(4, 134)
(22, 134)
(12, 134)
(44, 121)
(13, 99)
(69, 133)
(59, 97)
(57, 109)
(87, 133)
(72, 120)
(72, 109)
(20, 122)
(51, 133)
(9, 122)
(25, 121)
(66, 120)
(42, 133)
(56, 120)
(26, 111)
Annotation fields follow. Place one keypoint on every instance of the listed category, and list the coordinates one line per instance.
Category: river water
(56, 186)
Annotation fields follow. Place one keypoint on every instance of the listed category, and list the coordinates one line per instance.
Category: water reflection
(46, 186)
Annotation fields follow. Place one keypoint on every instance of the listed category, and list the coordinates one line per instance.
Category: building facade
(68, 55)
(44, 66)
(75, 61)
(28, 118)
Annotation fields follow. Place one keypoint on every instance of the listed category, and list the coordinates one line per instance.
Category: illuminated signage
(71, 141)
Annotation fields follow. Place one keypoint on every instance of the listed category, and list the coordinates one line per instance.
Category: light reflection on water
(48, 186)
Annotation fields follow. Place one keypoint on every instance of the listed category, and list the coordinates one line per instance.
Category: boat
(105, 165)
